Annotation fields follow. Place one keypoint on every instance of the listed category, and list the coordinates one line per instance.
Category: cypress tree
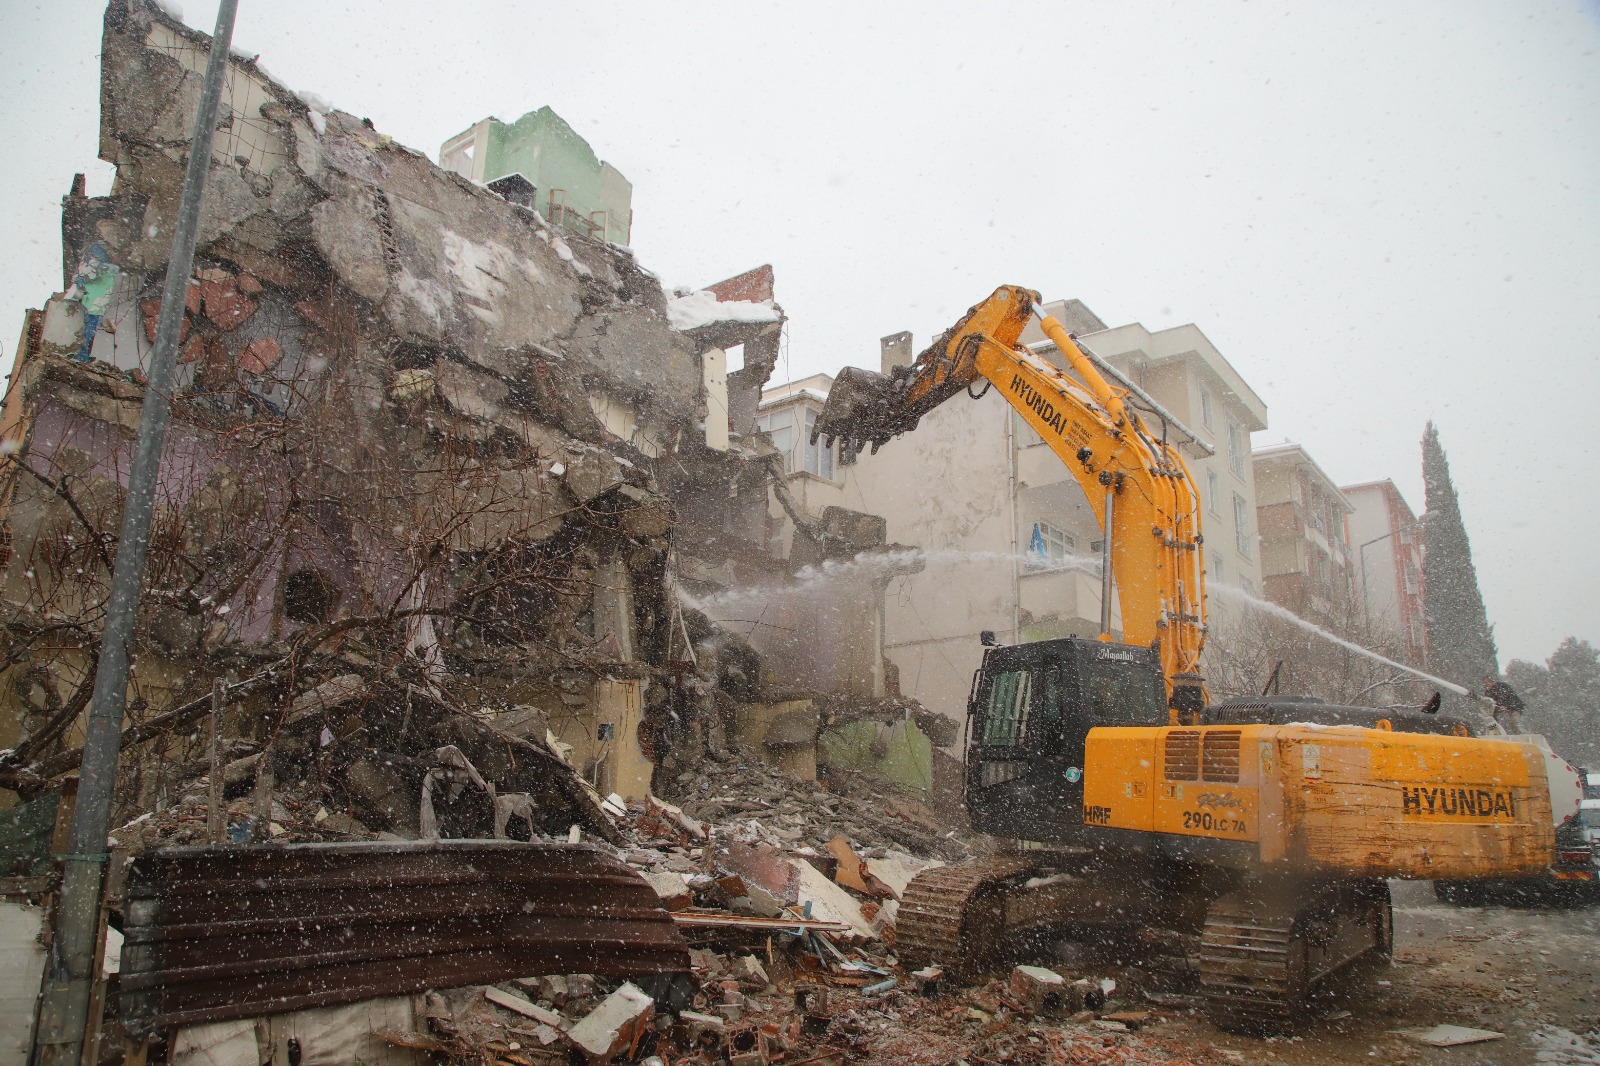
(1460, 645)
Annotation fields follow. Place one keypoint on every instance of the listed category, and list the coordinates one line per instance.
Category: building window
(1216, 565)
(1049, 548)
(1213, 493)
(309, 596)
(1241, 525)
(1205, 408)
(818, 456)
(1412, 581)
(799, 453)
(779, 425)
(1236, 446)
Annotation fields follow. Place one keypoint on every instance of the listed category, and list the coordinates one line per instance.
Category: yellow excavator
(1258, 834)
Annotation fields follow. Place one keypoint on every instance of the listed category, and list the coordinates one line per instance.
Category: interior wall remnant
(621, 765)
(896, 752)
(718, 421)
(785, 733)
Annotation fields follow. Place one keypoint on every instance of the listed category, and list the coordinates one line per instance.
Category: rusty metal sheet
(234, 932)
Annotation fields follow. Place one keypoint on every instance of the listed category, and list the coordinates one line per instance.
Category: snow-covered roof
(702, 308)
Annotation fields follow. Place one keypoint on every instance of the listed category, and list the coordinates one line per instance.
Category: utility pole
(72, 962)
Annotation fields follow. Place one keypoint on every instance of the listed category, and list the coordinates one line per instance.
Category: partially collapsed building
(442, 474)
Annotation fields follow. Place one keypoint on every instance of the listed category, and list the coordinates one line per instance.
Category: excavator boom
(1137, 483)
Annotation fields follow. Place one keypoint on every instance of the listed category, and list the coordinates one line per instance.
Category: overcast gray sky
(1381, 213)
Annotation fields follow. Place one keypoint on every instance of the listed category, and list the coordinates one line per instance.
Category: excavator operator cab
(1029, 716)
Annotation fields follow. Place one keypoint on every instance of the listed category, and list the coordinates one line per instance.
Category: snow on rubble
(686, 311)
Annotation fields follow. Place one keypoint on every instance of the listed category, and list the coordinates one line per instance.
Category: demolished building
(442, 474)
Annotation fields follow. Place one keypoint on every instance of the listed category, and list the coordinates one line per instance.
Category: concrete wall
(555, 158)
(1389, 586)
(946, 489)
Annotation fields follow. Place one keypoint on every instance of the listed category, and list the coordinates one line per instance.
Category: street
(1529, 973)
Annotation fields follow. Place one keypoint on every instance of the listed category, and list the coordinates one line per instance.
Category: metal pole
(1366, 609)
(1105, 568)
(69, 970)
(216, 820)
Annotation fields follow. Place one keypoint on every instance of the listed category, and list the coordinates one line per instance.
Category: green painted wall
(896, 752)
(544, 149)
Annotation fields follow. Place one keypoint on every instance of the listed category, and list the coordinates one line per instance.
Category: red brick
(314, 313)
(260, 356)
(152, 317)
(225, 304)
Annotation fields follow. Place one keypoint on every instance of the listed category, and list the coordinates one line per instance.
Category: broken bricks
(1038, 990)
(615, 1026)
(1041, 991)
(703, 1031)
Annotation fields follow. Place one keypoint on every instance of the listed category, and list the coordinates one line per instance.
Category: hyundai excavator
(1257, 834)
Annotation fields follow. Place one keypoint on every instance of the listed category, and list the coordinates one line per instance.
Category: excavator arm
(1137, 483)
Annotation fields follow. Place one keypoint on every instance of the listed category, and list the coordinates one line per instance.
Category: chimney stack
(896, 350)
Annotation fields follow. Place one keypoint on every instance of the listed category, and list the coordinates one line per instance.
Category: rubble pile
(787, 890)
(747, 1012)
(739, 784)
(366, 760)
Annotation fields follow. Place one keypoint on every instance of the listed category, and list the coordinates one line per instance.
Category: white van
(1589, 814)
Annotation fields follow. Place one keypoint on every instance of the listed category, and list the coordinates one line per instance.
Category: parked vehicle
(1573, 877)
(1589, 815)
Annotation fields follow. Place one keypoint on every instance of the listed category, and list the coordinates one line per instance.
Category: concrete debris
(452, 771)
(895, 872)
(1039, 990)
(927, 979)
(522, 1006)
(615, 1026)
(1447, 1035)
(672, 888)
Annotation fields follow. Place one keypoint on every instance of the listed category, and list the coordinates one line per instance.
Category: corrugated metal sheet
(237, 932)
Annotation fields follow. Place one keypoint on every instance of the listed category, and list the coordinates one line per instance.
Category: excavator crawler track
(1252, 970)
(954, 915)
(1263, 953)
